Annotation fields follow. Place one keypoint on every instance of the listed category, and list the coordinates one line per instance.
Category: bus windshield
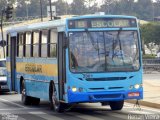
(105, 51)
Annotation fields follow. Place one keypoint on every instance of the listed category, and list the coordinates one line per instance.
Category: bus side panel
(37, 73)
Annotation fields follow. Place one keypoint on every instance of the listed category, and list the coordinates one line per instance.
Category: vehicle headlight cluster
(136, 86)
(74, 89)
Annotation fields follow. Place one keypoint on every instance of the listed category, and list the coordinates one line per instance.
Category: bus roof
(102, 16)
(40, 25)
(60, 23)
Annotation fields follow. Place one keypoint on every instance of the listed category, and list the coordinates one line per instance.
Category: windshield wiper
(93, 44)
(120, 46)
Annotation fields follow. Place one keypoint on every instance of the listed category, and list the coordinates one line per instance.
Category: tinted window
(44, 38)
(28, 44)
(35, 43)
(20, 45)
(53, 43)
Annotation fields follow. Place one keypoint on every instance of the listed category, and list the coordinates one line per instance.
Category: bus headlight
(137, 86)
(74, 89)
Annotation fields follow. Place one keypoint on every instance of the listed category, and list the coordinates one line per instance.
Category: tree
(91, 5)
(150, 34)
(78, 7)
(144, 9)
(108, 6)
(21, 10)
(62, 7)
(3, 3)
(35, 6)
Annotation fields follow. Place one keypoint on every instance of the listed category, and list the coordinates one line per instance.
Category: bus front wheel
(55, 103)
(116, 105)
(26, 100)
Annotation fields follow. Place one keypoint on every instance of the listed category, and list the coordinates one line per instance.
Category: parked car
(3, 78)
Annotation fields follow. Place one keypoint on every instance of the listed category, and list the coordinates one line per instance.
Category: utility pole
(41, 10)
(8, 12)
(2, 13)
(50, 4)
(27, 3)
(153, 12)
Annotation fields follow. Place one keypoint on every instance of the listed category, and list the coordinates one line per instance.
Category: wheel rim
(54, 99)
(23, 91)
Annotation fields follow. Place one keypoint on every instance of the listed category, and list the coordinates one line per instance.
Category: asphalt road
(11, 108)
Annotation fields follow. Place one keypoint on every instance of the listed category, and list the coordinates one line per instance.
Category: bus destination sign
(109, 23)
(102, 23)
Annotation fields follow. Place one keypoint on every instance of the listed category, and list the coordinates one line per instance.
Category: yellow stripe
(8, 66)
(34, 68)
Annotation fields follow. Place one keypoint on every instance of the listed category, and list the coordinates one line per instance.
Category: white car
(3, 78)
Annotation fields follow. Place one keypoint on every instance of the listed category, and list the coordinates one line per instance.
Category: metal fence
(151, 65)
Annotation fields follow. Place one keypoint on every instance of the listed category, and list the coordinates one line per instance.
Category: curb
(145, 103)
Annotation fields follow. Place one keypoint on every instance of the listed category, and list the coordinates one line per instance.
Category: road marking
(17, 109)
(12, 103)
(45, 115)
(37, 112)
(85, 116)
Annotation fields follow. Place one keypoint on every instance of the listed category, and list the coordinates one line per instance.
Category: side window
(20, 45)
(28, 44)
(53, 43)
(36, 44)
(44, 39)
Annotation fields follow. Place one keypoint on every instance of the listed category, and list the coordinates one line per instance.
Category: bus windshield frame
(116, 51)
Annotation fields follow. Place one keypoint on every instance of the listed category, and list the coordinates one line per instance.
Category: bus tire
(55, 104)
(26, 100)
(116, 105)
(21, 80)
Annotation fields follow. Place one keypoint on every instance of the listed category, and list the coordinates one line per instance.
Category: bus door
(61, 65)
(13, 62)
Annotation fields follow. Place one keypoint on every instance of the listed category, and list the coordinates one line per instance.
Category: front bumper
(76, 97)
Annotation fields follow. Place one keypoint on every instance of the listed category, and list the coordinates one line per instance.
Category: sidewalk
(151, 84)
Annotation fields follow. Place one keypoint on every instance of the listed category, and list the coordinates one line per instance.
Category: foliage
(143, 9)
(150, 34)
(63, 7)
(149, 56)
(78, 7)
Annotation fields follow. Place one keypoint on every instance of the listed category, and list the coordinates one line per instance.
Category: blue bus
(90, 58)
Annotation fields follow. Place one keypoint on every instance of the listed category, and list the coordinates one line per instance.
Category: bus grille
(107, 96)
(106, 79)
